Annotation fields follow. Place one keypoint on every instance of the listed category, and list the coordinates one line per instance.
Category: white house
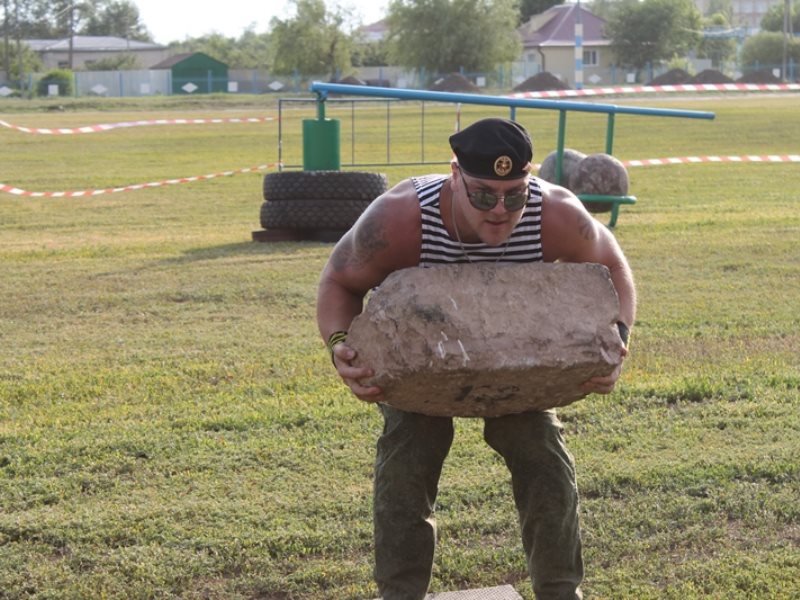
(548, 40)
(89, 49)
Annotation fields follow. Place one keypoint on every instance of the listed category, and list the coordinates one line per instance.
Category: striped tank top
(524, 244)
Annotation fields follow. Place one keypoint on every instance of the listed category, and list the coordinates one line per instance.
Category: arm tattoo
(586, 227)
(367, 240)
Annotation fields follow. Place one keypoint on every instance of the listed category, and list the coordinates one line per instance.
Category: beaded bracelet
(336, 337)
(624, 332)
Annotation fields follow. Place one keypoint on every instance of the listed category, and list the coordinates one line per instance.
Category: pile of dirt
(352, 80)
(762, 76)
(672, 77)
(711, 76)
(541, 82)
(455, 82)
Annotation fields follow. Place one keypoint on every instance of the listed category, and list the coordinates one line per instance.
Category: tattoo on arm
(367, 240)
(586, 228)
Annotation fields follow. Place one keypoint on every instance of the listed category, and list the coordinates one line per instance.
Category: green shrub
(60, 77)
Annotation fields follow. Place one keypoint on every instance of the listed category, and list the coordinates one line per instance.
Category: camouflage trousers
(409, 461)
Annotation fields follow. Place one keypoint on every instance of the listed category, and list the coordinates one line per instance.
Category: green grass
(170, 425)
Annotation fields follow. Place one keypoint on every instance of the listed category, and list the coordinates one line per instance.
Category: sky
(175, 20)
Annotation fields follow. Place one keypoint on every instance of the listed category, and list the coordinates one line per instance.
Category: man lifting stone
(489, 208)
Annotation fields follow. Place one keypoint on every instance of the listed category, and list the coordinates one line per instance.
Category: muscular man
(488, 208)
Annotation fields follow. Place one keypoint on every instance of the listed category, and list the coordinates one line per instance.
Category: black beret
(493, 149)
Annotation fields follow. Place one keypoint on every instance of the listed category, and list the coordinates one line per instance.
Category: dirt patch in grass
(541, 82)
(760, 76)
(672, 77)
(711, 76)
(455, 82)
(352, 80)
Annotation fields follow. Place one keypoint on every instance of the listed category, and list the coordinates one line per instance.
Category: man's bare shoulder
(566, 224)
(386, 236)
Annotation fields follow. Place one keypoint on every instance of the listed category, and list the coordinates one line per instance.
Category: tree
(602, 8)
(312, 43)
(443, 36)
(723, 7)
(765, 50)
(119, 18)
(719, 49)
(249, 51)
(528, 8)
(48, 19)
(773, 20)
(370, 54)
(16, 57)
(651, 31)
(122, 62)
(9, 55)
(6, 50)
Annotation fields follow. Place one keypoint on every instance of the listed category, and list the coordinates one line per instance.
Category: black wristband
(624, 332)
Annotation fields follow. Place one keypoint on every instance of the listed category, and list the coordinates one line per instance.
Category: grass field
(170, 424)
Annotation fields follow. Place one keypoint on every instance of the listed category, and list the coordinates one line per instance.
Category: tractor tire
(324, 185)
(306, 215)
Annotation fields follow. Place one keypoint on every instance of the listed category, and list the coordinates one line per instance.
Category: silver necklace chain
(458, 235)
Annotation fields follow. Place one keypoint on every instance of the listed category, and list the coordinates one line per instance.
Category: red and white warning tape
(771, 158)
(128, 188)
(127, 124)
(660, 89)
(593, 91)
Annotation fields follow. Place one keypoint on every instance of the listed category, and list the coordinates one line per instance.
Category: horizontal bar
(607, 198)
(323, 89)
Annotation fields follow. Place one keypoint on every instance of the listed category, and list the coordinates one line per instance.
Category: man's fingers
(365, 393)
(352, 376)
(343, 353)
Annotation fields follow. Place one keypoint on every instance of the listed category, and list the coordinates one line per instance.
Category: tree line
(439, 36)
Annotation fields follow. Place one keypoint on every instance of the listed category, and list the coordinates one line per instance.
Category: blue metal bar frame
(563, 106)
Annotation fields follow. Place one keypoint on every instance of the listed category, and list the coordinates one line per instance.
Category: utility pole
(18, 28)
(71, 20)
(6, 40)
(71, 33)
(787, 29)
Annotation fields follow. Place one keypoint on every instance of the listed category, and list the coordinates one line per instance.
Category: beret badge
(502, 166)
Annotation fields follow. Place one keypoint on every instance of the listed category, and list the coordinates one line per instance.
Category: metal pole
(388, 132)
(6, 40)
(19, 48)
(422, 131)
(353, 131)
(610, 134)
(71, 33)
(506, 101)
(562, 131)
(280, 134)
(787, 28)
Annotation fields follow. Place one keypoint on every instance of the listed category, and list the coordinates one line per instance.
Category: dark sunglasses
(486, 201)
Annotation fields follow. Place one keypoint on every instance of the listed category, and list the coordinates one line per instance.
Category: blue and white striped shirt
(524, 244)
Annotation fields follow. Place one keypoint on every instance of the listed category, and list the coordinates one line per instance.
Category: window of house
(590, 58)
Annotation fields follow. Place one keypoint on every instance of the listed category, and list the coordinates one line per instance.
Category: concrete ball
(569, 161)
(599, 174)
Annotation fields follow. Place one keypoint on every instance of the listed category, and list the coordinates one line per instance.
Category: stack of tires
(319, 205)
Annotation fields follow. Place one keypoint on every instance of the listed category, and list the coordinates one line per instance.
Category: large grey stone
(483, 339)
(600, 174)
(500, 592)
(569, 161)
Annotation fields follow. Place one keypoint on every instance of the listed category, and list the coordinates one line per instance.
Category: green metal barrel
(321, 148)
